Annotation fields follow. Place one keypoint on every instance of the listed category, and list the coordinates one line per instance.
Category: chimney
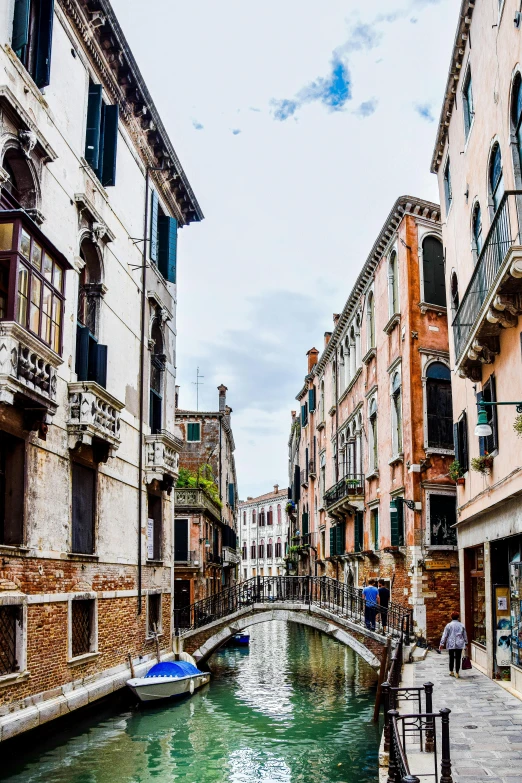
(222, 398)
(312, 354)
(276, 488)
(294, 414)
(176, 398)
(250, 497)
(327, 336)
(336, 317)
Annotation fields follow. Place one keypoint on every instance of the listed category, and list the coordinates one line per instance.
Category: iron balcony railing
(323, 592)
(186, 557)
(213, 557)
(501, 236)
(352, 484)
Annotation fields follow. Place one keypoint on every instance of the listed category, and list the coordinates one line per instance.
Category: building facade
(371, 445)
(91, 198)
(478, 162)
(263, 534)
(205, 548)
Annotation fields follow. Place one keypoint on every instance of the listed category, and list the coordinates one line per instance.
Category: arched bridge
(326, 604)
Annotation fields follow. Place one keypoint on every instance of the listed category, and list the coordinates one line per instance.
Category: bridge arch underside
(203, 642)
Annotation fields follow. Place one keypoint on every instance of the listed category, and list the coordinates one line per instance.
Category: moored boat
(241, 639)
(168, 679)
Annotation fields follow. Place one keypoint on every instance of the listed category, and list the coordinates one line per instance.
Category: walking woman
(455, 639)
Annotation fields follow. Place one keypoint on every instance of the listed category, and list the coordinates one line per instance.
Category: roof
(455, 69)
(268, 496)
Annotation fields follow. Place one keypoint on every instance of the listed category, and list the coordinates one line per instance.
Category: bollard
(393, 762)
(385, 690)
(445, 764)
(410, 779)
(430, 722)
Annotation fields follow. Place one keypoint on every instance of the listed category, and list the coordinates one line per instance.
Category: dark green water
(296, 707)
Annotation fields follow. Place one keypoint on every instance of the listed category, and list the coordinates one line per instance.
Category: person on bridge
(455, 638)
(371, 602)
(384, 600)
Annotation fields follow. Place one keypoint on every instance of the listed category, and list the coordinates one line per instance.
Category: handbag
(466, 663)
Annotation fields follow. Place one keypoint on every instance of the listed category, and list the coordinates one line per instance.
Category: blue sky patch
(424, 111)
(197, 125)
(367, 108)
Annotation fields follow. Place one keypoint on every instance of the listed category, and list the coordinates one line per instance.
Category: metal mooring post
(385, 690)
(445, 764)
(430, 723)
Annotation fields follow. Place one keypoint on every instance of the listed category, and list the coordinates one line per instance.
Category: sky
(298, 124)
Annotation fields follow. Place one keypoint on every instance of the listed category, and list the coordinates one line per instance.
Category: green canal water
(296, 706)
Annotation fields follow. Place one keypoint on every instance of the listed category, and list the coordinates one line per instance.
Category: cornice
(405, 205)
(117, 69)
(457, 55)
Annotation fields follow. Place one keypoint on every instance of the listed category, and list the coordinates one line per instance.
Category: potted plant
(482, 464)
(290, 507)
(517, 426)
(455, 472)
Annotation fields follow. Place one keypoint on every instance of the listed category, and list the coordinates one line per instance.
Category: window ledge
(154, 562)
(442, 548)
(392, 323)
(86, 658)
(372, 475)
(351, 384)
(321, 425)
(332, 410)
(433, 450)
(425, 306)
(78, 556)
(369, 356)
(5, 549)
(397, 458)
(14, 678)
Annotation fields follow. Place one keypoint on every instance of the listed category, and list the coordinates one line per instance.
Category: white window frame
(370, 296)
(422, 235)
(391, 310)
(154, 591)
(465, 107)
(93, 652)
(199, 425)
(428, 494)
(21, 640)
(374, 447)
(396, 451)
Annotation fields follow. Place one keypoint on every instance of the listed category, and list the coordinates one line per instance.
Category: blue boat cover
(173, 669)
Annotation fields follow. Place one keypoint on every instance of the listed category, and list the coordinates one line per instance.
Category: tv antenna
(197, 383)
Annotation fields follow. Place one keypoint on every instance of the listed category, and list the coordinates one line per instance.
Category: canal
(295, 706)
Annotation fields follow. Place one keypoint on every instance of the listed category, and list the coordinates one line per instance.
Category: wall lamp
(483, 428)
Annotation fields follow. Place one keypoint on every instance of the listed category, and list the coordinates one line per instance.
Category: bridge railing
(323, 592)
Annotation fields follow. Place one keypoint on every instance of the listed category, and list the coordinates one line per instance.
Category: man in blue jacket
(371, 601)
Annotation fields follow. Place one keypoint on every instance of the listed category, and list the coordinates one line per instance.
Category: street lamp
(483, 428)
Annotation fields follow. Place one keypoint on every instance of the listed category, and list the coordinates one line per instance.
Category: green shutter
(231, 495)
(20, 26)
(394, 522)
(167, 247)
(82, 352)
(332, 541)
(304, 523)
(110, 145)
(311, 399)
(339, 544)
(358, 531)
(45, 39)
(400, 523)
(101, 365)
(154, 226)
(92, 136)
(193, 431)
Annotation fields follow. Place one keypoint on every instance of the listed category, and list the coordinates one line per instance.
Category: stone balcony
(162, 457)
(94, 417)
(345, 496)
(230, 556)
(192, 499)
(27, 371)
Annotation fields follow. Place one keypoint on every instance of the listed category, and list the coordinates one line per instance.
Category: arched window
(517, 115)
(353, 353)
(279, 513)
(270, 548)
(278, 552)
(342, 370)
(370, 317)
(393, 284)
(374, 449)
(321, 401)
(477, 231)
(439, 409)
(433, 272)
(262, 518)
(157, 366)
(91, 357)
(496, 177)
(253, 550)
(20, 183)
(254, 516)
(454, 284)
(396, 396)
(261, 549)
(270, 516)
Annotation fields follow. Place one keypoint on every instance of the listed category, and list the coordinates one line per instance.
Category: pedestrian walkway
(485, 722)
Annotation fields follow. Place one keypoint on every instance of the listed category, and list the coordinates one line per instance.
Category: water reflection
(295, 707)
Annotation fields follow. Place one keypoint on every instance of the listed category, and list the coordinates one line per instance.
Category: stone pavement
(491, 752)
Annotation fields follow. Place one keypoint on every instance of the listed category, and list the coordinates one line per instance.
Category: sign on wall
(150, 539)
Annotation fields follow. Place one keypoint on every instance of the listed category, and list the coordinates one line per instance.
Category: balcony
(186, 559)
(94, 417)
(346, 495)
(230, 556)
(493, 298)
(213, 557)
(193, 499)
(312, 472)
(162, 457)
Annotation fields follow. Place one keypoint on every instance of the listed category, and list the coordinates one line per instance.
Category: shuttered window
(488, 394)
(358, 531)
(340, 539)
(231, 496)
(154, 206)
(332, 542)
(155, 526)
(101, 138)
(397, 522)
(193, 432)
(311, 399)
(460, 438)
(12, 469)
(91, 357)
(32, 37)
(167, 247)
(304, 523)
(304, 414)
(433, 269)
(439, 406)
(83, 508)
(375, 528)
(296, 487)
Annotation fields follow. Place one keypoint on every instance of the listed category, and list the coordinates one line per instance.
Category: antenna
(197, 383)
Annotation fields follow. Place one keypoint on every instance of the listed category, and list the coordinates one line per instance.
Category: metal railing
(352, 484)
(403, 727)
(499, 239)
(186, 557)
(323, 592)
(213, 557)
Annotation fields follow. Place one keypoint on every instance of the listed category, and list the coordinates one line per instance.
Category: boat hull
(158, 688)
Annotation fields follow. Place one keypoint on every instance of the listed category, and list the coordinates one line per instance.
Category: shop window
(433, 272)
(154, 526)
(12, 474)
(32, 37)
(101, 138)
(11, 618)
(154, 624)
(83, 508)
(157, 367)
(82, 626)
(489, 444)
(193, 432)
(439, 407)
(442, 516)
(478, 596)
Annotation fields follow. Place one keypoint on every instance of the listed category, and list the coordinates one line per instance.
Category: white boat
(167, 680)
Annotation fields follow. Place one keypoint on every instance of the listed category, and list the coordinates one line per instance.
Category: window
(460, 438)
(270, 517)
(181, 541)
(270, 548)
(477, 231)
(490, 444)
(21, 185)
(467, 103)
(454, 286)
(442, 514)
(311, 399)
(496, 177)
(261, 549)
(91, 357)
(353, 353)
(254, 516)
(304, 414)
(82, 626)
(231, 495)
(194, 436)
(244, 517)
(278, 548)
(396, 414)
(101, 137)
(393, 284)
(83, 508)
(475, 559)
(163, 239)
(397, 522)
(517, 115)
(157, 366)
(32, 37)
(370, 316)
(253, 550)
(321, 402)
(154, 624)
(448, 195)
(31, 291)
(262, 518)
(11, 619)
(374, 448)
(154, 526)
(433, 272)
(244, 553)
(279, 513)
(374, 528)
(439, 407)
(12, 473)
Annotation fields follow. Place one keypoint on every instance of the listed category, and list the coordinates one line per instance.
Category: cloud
(424, 111)
(283, 109)
(236, 131)
(254, 108)
(333, 91)
(197, 125)
(367, 108)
